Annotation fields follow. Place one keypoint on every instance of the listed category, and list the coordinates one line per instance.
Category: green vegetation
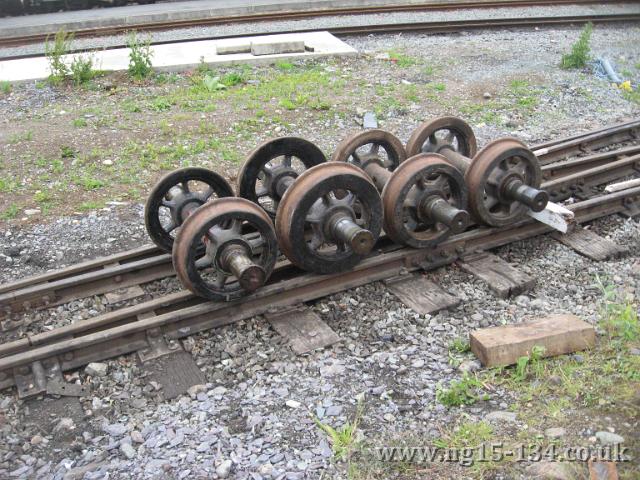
(82, 69)
(527, 363)
(460, 392)
(90, 205)
(460, 345)
(401, 59)
(580, 51)
(467, 434)
(79, 122)
(55, 52)
(618, 318)
(10, 212)
(140, 54)
(5, 87)
(67, 152)
(343, 440)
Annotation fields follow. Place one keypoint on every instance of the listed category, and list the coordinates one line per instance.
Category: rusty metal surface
(176, 207)
(458, 135)
(321, 196)
(219, 226)
(264, 172)
(421, 178)
(494, 165)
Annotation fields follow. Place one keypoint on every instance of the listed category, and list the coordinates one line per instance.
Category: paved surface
(179, 56)
(173, 11)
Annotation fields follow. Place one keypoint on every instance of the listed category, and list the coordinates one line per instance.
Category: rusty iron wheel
(221, 227)
(174, 196)
(493, 166)
(319, 199)
(452, 132)
(376, 146)
(420, 178)
(271, 167)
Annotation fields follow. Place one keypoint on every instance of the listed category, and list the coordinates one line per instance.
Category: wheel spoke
(168, 203)
(207, 194)
(185, 186)
(204, 262)
(356, 157)
(171, 227)
(287, 161)
(375, 148)
(262, 192)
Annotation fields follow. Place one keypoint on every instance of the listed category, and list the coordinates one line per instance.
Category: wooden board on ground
(589, 244)
(123, 294)
(421, 295)
(303, 328)
(502, 278)
(558, 334)
(176, 373)
(602, 470)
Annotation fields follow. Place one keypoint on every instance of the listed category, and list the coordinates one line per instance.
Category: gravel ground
(253, 417)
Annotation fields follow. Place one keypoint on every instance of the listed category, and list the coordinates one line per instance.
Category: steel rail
(146, 264)
(119, 339)
(433, 27)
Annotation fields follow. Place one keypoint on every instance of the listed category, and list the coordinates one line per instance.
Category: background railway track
(129, 24)
(181, 314)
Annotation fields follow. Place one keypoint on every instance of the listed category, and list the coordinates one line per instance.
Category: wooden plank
(176, 373)
(502, 278)
(589, 244)
(421, 295)
(558, 334)
(618, 187)
(124, 294)
(303, 328)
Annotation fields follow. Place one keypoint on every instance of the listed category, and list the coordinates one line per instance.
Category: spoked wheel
(272, 167)
(424, 201)
(176, 196)
(450, 132)
(375, 151)
(225, 249)
(503, 181)
(329, 219)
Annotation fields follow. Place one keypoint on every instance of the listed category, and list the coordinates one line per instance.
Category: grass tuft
(580, 51)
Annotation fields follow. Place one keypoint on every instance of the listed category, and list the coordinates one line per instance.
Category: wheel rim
(315, 196)
(164, 216)
(272, 161)
(418, 178)
(376, 145)
(450, 132)
(222, 222)
(491, 167)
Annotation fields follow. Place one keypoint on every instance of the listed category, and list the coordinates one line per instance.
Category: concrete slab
(180, 56)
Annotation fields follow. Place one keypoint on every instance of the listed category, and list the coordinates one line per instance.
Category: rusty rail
(127, 331)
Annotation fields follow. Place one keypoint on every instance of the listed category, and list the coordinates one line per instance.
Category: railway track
(148, 263)
(428, 27)
(157, 324)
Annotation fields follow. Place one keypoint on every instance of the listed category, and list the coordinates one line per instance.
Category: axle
(234, 259)
(343, 228)
(434, 207)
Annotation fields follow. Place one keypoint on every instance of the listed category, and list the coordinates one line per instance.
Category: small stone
(523, 300)
(96, 369)
(218, 391)
(501, 416)
(115, 429)
(476, 317)
(470, 366)
(419, 363)
(127, 450)
(136, 436)
(194, 390)
(36, 440)
(108, 163)
(550, 471)
(609, 438)
(31, 211)
(292, 404)
(634, 351)
(555, 380)
(486, 95)
(578, 358)
(224, 469)
(65, 424)
(555, 432)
